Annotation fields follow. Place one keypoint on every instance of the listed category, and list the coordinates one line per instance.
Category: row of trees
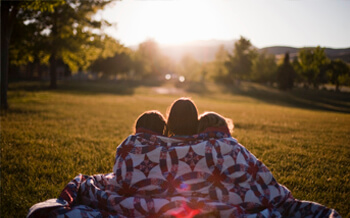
(145, 63)
(311, 67)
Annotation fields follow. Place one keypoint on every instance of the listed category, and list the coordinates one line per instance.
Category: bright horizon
(296, 23)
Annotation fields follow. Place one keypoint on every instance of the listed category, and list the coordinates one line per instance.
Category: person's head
(150, 120)
(182, 118)
(212, 119)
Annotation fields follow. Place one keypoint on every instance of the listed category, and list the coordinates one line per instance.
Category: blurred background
(278, 43)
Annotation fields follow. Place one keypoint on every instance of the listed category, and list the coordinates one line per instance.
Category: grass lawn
(50, 136)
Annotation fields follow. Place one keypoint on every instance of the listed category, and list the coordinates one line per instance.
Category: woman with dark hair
(182, 118)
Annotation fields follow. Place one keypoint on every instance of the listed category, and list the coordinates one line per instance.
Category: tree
(65, 27)
(27, 46)
(285, 74)
(264, 68)
(10, 12)
(313, 64)
(241, 62)
(219, 72)
(120, 63)
(69, 28)
(91, 55)
(189, 68)
(149, 61)
(298, 70)
(339, 73)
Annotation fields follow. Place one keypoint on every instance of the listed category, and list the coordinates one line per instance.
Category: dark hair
(151, 120)
(182, 118)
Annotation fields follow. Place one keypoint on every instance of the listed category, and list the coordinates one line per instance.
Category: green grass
(48, 137)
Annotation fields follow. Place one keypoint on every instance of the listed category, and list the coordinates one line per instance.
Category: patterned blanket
(209, 174)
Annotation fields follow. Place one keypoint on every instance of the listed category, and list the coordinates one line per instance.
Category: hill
(332, 53)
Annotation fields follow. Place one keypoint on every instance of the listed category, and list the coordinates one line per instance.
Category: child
(211, 121)
(151, 122)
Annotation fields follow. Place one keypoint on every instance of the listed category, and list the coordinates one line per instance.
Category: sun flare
(265, 23)
(171, 22)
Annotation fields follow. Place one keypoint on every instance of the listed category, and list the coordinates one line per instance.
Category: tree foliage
(118, 64)
(70, 31)
(241, 61)
(285, 74)
(218, 71)
(100, 48)
(313, 63)
(339, 73)
(190, 68)
(264, 68)
(149, 61)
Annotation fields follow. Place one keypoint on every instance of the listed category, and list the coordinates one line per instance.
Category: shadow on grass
(98, 87)
(298, 97)
(123, 87)
(21, 111)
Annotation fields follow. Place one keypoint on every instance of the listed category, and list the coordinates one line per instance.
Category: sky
(296, 23)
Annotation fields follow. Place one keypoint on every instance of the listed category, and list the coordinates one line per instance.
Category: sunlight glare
(265, 23)
(168, 76)
(173, 22)
(182, 79)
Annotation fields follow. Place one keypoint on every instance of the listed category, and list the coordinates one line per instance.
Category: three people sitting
(186, 166)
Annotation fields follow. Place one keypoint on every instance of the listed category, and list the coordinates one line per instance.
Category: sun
(167, 22)
(175, 22)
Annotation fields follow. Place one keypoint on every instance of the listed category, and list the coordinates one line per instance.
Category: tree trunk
(7, 22)
(4, 61)
(337, 87)
(30, 70)
(53, 68)
(53, 72)
(40, 70)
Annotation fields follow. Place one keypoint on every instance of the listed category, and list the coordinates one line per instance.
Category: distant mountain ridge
(332, 53)
(205, 50)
